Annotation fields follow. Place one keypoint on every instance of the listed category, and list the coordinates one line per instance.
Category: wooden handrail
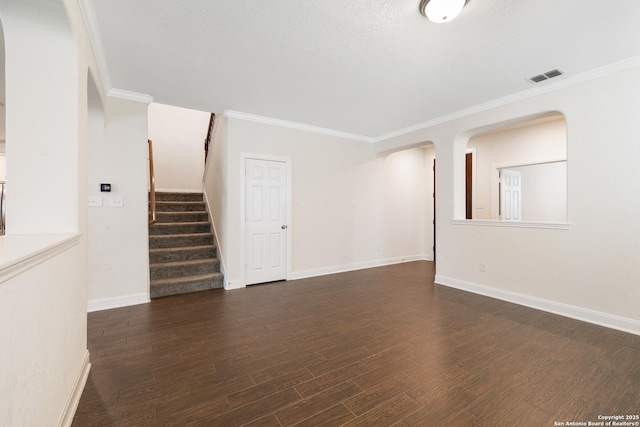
(152, 184)
(207, 140)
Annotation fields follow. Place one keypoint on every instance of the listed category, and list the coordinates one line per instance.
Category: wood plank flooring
(377, 347)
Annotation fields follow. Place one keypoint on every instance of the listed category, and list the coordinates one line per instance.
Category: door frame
(243, 197)
(473, 179)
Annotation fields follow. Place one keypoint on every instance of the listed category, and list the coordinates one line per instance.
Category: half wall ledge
(513, 224)
(19, 253)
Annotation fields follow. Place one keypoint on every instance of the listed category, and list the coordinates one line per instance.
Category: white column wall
(118, 237)
(42, 121)
(43, 303)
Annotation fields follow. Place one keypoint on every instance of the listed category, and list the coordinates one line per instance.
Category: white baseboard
(116, 302)
(303, 274)
(584, 314)
(74, 398)
(233, 284)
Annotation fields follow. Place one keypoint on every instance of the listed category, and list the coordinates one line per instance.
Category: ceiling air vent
(546, 76)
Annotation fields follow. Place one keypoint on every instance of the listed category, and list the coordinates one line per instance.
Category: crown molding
(95, 39)
(131, 96)
(529, 93)
(230, 114)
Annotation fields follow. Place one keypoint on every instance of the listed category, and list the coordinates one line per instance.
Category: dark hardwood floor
(381, 347)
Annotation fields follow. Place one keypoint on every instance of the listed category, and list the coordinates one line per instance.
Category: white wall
(544, 191)
(178, 136)
(351, 208)
(118, 241)
(590, 271)
(43, 332)
(215, 186)
(43, 304)
(539, 142)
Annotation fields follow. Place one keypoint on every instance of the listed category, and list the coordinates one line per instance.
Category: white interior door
(511, 194)
(266, 221)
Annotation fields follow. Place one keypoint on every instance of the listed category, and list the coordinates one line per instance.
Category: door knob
(284, 227)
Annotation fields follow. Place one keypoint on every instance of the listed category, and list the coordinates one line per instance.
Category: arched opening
(518, 171)
(409, 180)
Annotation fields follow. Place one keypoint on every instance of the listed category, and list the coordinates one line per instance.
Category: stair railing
(152, 184)
(207, 140)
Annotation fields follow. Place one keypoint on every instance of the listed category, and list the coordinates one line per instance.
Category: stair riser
(156, 242)
(160, 229)
(182, 255)
(173, 217)
(174, 289)
(178, 197)
(168, 272)
(179, 206)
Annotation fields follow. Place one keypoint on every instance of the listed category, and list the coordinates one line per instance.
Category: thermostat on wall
(105, 188)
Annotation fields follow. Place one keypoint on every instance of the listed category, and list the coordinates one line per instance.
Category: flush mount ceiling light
(440, 11)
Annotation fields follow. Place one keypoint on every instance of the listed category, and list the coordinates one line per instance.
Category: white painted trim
(513, 224)
(223, 268)
(303, 274)
(129, 95)
(243, 167)
(177, 190)
(233, 284)
(520, 164)
(95, 38)
(117, 302)
(551, 86)
(583, 314)
(20, 253)
(230, 114)
(474, 178)
(74, 398)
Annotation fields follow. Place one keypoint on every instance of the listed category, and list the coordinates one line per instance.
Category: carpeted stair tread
(179, 285)
(170, 206)
(162, 196)
(185, 253)
(179, 228)
(190, 262)
(165, 270)
(180, 240)
(179, 217)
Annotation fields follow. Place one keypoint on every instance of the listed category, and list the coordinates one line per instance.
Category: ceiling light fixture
(440, 11)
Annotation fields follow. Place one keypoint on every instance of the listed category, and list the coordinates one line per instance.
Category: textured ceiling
(367, 67)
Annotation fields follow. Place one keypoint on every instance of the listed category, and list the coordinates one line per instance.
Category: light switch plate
(95, 201)
(116, 202)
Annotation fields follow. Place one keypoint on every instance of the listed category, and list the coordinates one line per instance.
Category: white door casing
(511, 194)
(266, 220)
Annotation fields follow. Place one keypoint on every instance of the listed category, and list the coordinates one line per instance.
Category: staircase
(182, 256)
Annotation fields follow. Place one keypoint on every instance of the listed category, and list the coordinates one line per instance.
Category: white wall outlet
(116, 201)
(94, 201)
(483, 267)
